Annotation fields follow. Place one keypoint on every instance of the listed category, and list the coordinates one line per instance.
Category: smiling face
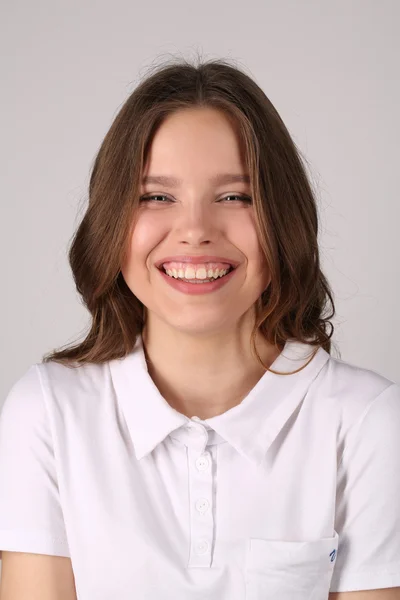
(196, 215)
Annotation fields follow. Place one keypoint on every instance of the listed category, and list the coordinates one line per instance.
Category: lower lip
(197, 288)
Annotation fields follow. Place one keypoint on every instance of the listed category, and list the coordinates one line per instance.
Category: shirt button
(202, 547)
(203, 462)
(202, 505)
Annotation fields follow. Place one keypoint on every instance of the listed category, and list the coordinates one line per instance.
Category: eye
(153, 198)
(239, 198)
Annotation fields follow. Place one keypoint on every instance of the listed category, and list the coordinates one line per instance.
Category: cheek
(246, 240)
(244, 235)
(146, 235)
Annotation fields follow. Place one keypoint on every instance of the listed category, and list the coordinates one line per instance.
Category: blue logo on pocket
(333, 555)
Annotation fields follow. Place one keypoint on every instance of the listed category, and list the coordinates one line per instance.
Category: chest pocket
(290, 570)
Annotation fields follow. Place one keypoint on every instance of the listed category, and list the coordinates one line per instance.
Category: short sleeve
(368, 500)
(31, 518)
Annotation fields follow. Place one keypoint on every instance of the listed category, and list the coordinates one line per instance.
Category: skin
(198, 347)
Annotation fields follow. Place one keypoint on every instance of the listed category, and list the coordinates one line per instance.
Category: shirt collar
(250, 427)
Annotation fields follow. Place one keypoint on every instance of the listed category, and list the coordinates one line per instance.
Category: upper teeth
(196, 272)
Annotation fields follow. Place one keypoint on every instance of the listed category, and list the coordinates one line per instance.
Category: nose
(195, 224)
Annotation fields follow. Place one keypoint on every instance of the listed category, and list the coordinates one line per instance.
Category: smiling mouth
(216, 274)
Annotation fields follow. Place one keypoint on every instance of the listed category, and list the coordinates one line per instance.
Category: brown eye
(155, 198)
(238, 197)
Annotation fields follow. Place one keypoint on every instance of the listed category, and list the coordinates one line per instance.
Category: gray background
(331, 68)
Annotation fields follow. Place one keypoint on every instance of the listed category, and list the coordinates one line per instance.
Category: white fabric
(290, 494)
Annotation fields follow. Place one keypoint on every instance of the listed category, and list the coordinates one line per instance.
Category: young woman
(201, 441)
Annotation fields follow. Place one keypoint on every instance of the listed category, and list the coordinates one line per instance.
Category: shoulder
(49, 388)
(23, 403)
(352, 389)
(70, 383)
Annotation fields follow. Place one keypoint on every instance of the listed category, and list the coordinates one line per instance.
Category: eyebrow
(220, 179)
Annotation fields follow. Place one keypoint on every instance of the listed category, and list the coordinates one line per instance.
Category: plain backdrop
(330, 67)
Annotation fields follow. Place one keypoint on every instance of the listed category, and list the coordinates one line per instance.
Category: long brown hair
(296, 299)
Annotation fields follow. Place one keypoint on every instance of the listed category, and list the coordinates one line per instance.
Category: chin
(200, 326)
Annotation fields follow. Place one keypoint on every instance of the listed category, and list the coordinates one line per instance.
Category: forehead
(196, 140)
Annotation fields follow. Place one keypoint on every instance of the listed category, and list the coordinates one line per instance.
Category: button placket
(200, 494)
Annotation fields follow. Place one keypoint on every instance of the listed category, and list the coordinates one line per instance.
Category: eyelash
(245, 199)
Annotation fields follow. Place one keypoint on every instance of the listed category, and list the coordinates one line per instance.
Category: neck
(204, 375)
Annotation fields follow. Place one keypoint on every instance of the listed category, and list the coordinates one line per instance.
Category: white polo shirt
(291, 494)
